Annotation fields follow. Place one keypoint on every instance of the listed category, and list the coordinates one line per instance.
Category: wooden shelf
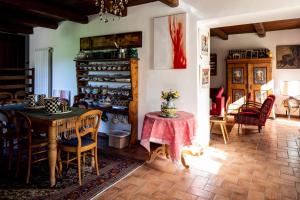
(87, 70)
(99, 87)
(104, 81)
(104, 59)
(15, 69)
(16, 86)
(15, 77)
(132, 65)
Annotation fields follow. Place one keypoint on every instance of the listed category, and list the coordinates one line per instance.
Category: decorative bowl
(168, 112)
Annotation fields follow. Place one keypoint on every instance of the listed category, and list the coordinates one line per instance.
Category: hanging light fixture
(110, 7)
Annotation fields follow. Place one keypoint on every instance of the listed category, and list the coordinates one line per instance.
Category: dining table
(52, 125)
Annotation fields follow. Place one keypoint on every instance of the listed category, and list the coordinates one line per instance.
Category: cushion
(251, 109)
(249, 113)
(74, 142)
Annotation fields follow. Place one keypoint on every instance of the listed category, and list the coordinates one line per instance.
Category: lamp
(110, 7)
(291, 89)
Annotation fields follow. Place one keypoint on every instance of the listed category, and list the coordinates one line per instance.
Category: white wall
(248, 41)
(65, 42)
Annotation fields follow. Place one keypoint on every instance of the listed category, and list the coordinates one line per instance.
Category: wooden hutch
(106, 74)
(249, 76)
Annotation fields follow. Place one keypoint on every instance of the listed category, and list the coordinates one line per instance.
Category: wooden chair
(221, 120)
(27, 138)
(6, 139)
(86, 130)
(20, 95)
(6, 97)
(256, 117)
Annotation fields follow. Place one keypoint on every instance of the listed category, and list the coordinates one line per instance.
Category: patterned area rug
(112, 168)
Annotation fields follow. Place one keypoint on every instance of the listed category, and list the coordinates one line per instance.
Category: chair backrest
(88, 123)
(20, 95)
(266, 109)
(5, 97)
(4, 121)
(23, 126)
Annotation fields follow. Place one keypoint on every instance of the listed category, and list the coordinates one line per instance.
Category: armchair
(218, 101)
(256, 116)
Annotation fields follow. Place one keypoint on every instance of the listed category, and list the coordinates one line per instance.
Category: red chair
(256, 116)
(218, 101)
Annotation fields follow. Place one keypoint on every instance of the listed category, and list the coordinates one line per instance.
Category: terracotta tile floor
(234, 171)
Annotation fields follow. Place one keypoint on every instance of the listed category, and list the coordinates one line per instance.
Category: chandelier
(110, 7)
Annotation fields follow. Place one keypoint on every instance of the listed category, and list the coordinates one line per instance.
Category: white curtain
(43, 71)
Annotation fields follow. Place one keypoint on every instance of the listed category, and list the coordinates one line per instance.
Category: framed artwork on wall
(260, 95)
(260, 75)
(288, 57)
(213, 64)
(204, 44)
(170, 42)
(238, 75)
(205, 77)
(237, 95)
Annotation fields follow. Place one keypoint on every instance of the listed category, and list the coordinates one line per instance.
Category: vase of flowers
(168, 108)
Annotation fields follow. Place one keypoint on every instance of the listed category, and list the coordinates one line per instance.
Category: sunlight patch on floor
(284, 121)
(211, 160)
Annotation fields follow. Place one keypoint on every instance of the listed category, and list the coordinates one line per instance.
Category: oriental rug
(112, 168)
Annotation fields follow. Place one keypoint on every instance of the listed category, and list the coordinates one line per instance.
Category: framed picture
(170, 42)
(204, 44)
(238, 75)
(288, 57)
(260, 75)
(213, 64)
(238, 95)
(205, 77)
(260, 95)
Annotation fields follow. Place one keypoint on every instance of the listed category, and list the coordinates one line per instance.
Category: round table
(172, 133)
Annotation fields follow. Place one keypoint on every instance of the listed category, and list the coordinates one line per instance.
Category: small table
(172, 133)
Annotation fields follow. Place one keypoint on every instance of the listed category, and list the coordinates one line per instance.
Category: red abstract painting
(177, 37)
(170, 42)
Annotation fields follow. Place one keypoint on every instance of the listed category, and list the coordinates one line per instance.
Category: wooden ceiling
(259, 28)
(21, 16)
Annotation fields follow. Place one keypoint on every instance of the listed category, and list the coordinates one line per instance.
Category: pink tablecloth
(176, 132)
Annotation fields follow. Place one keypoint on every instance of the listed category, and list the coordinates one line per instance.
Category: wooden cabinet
(249, 76)
(16, 79)
(111, 85)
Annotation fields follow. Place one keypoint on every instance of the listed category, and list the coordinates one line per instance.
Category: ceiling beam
(260, 29)
(47, 9)
(14, 28)
(28, 20)
(219, 33)
(171, 3)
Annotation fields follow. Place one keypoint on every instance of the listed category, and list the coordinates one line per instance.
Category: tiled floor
(234, 171)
